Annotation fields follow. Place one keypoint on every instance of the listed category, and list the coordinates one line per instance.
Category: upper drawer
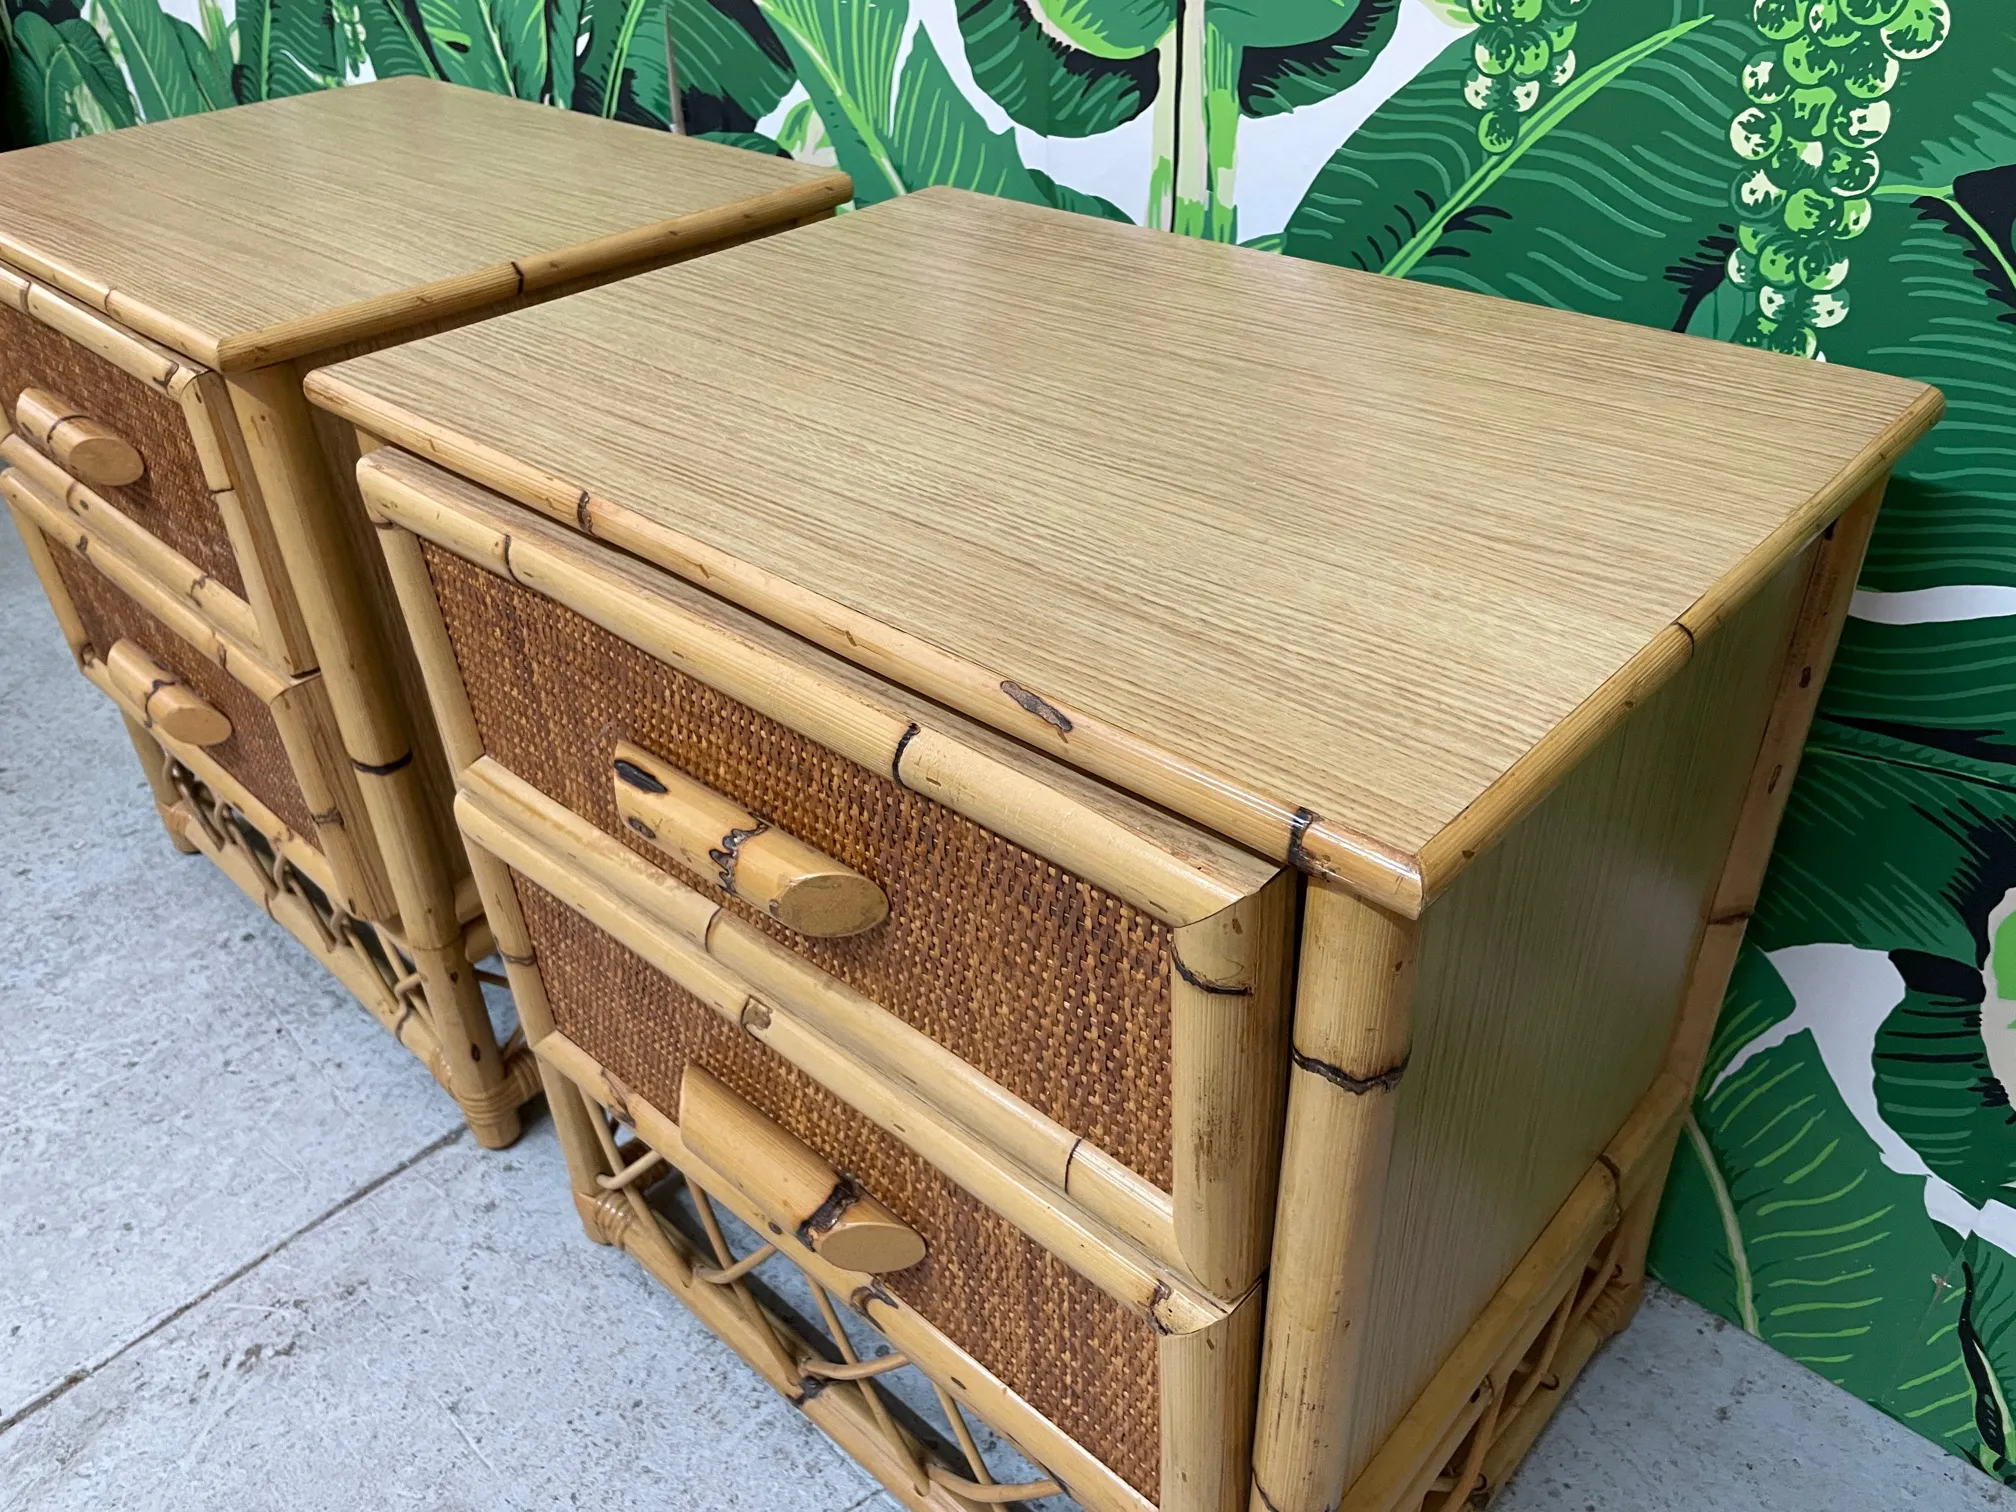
(1115, 969)
(128, 390)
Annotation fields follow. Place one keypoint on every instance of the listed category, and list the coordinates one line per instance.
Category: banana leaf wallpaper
(1832, 179)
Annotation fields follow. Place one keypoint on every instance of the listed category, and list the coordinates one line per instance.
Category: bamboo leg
(320, 549)
(1352, 1027)
(154, 762)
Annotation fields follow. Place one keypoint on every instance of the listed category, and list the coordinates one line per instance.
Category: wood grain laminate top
(270, 231)
(1347, 568)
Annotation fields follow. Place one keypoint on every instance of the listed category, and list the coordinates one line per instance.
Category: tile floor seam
(78, 1377)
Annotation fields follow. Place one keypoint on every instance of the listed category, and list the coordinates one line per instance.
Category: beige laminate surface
(245, 235)
(1309, 538)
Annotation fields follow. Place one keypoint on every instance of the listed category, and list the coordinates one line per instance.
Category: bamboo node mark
(896, 759)
(1298, 828)
(729, 851)
(843, 1196)
(1204, 984)
(1042, 708)
(1382, 1081)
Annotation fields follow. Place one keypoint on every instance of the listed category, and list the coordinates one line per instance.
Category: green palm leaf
(1987, 1334)
(106, 87)
(392, 40)
(1937, 694)
(498, 45)
(563, 47)
(1942, 309)
(1932, 1392)
(621, 71)
(156, 58)
(1046, 83)
(285, 47)
(732, 68)
(1616, 178)
(68, 83)
(1947, 316)
(896, 133)
(1064, 197)
(1824, 1252)
(1934, 1084)
(748, 141)
(1277, 23)
(1276, 79)
(845, 53)
(1887, 856)
(211, 79)
(1108, 28)
(936, 137)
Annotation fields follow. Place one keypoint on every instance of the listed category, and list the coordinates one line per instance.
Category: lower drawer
(1047, 1391)
(273, 735)
(255, 752)
(1077, 1356)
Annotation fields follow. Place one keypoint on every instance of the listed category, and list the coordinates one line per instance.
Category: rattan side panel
(1053, 988)
(254, 754)
(1072, 1352)
(172, 499)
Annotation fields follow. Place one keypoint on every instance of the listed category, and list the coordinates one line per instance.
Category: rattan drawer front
(1076, 1355)
(1046, 984)
(172, 498)
(255, 753)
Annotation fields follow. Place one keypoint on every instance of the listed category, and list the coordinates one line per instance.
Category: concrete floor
(248, 1259)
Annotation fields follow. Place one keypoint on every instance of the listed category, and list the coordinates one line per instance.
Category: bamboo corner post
(1352, 1034)
(323, 561)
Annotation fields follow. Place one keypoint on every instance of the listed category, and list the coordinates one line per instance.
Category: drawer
(204, 695)
(144, 438)
(1079, 1357)
(1055, 988)
(172, 497)
(1125, 1412)
(1115, 971)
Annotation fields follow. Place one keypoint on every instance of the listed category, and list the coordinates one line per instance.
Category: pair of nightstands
(1124, 841)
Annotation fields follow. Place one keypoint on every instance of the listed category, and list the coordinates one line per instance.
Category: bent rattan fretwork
(809, 1362)
(369, 959)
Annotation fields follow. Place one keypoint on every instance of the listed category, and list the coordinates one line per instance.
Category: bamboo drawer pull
(804, 1195)
(745, 855)
(82, 447)
(165, 701)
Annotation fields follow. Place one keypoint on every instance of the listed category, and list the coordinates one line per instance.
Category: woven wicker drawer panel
(171, 499)
(1076, 1355)
(254, 754)
(1053, 988)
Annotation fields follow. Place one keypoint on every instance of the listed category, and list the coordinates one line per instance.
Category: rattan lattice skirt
(171, 499)
(1055, 989)
(1076, 1355)
(254, 754)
